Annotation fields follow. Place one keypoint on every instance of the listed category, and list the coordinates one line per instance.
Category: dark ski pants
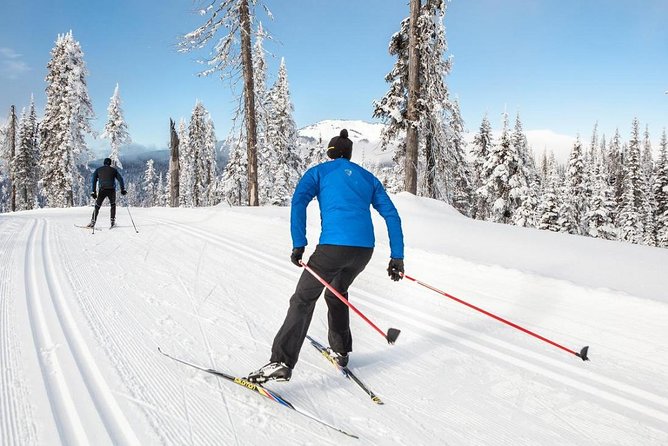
(104, 193)
(339, 266)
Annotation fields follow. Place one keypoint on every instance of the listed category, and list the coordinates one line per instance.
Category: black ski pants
(104, 193)
(339, 266)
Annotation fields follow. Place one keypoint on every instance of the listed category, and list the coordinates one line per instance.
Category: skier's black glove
(123, 192)
(396, 269)
(94, 195)
(296, 255)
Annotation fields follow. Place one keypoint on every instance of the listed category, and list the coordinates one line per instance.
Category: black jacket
(107, 176)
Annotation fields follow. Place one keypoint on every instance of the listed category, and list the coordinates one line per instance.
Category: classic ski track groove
(612, 390)
(115, 422)
(127, 358)
(65, 414)
(16, 423)
(50, 319)
(130, 358)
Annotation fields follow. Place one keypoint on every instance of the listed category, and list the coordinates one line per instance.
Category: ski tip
(583, 353)
(392, 335)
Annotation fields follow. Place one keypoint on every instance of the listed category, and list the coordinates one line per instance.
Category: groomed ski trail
(83, 407)
(532, 358)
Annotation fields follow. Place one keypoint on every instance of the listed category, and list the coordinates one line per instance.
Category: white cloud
(549, 140)
(11, 64)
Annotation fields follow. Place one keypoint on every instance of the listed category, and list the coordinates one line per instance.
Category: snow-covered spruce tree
(202, 153)
(602, 204)
(630, 221)
(210, 173)
(231, 55)
(186, 160)
(649, 201)
(264, 161)
(8, 152)
(149, 185)
(282, 141)
(197, 135)
(503, 179)
(116, 130)
(660, 189)
(576, 187)
(480, 150)
(441, 162)
(234, 181)
(547, 213)
(526, 200)
(66, 121)
(25, 164)
(615, 168)
(461, 191)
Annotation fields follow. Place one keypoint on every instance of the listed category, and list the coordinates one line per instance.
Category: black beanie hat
(340, 146)
(107, 161)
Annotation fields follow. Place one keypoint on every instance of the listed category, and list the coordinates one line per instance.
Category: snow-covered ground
(82, 316)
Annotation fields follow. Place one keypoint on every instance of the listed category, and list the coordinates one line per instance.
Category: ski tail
(257, 388)
(345, 371)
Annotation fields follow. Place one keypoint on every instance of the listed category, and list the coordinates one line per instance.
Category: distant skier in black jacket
(107, 177)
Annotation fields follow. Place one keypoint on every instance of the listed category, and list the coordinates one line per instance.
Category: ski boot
(274, 371)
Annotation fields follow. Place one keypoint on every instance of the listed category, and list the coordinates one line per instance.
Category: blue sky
(563, 64)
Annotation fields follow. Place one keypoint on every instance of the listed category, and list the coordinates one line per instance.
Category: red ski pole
(582, 354)
(392, 333)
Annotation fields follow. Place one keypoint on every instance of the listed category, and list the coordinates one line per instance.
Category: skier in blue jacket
(345, 192)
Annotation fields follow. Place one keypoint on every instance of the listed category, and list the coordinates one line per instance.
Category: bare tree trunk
(249, 103)
(410, 179)
(174, 166)
(12, 153)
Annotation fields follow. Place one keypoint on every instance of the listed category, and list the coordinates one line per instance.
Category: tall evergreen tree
(198, 135)
(187, 167)
(480, 150)
(210, 165)
(149, 186)
(601, 209)
(577, 188)
(631, 212)
(649, 202)
(262, 114)
(504, 180)
(547, 214)
(616, 167)
(234, 183)
(660, 189)
(525, 197)
(26, 161)
(8, 152)
(116, 130)
(66, 121)
(282, 139)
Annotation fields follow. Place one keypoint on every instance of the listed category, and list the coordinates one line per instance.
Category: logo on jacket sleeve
(348, 172)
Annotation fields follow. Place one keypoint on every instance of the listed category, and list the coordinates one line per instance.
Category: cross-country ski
(257, 388)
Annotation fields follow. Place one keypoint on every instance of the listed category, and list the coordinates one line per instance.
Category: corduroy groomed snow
(340, 146)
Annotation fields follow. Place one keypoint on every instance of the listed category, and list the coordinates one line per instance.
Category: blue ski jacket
(345, 193)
